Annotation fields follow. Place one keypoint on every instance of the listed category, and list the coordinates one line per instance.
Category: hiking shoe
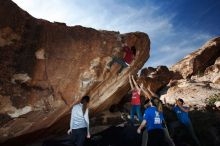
(136, 118)
(128, 116)
(123, 116)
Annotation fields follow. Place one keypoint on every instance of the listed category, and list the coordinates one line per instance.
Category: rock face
(200, 90)
(194, 92)
(198, 61)
(46, 67)
(213, 72)
(202, 72)
(157, 78)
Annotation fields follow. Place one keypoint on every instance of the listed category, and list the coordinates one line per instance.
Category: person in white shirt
(79, 122)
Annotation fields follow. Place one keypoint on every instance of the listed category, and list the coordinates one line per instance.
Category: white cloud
(168, 45)
(177, 48)
(53, 10)
(99, 14)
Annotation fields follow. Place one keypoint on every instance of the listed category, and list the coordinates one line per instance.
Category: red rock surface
(196, 78)
(198, 61)
(46, 67)
(202, 70)
(157, 78)
(213, 72)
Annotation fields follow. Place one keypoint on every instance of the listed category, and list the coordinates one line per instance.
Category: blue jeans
(136, 109)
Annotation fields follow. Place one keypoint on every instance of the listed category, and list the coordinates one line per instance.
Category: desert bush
(212, 99)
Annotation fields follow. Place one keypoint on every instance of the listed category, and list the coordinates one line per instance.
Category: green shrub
(212, 99)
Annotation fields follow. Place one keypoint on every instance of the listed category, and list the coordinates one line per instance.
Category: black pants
(157, 137)
(168, 139)
(144, 138)
(78, 136)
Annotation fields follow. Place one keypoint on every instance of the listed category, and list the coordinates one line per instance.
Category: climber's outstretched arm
(131, 84)
(146, 93)
(136, 85)
(152, 93)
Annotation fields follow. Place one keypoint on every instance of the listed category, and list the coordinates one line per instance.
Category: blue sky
(175, 27)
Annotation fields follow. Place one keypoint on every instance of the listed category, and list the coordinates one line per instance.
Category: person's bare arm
(86, 117)
(131, 84)
(152, 93)
(167, 105)
(135, 84)
(146, 93)
(181, 107)
(144, 122)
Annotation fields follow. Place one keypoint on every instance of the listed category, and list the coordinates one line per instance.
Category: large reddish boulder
(46, 67)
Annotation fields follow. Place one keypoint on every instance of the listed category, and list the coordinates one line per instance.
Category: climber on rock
(135, 101)
(125, 61)
(183, 119)
(129, 54)
(116, 58)
(79, 122)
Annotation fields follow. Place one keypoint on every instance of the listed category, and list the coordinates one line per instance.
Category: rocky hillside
(46, 67)
(200, 85)
(195, 79)
(197, 62)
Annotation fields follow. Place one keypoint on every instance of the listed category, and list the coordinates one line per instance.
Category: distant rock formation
(200, 89)
(196, 78)
(201, 76)
(46, 67)
(198, 61)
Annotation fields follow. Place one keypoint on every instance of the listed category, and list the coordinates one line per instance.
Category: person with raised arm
(154, 120)
(151, 96)
(183, 119)
(135, 100)
(149, 93)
